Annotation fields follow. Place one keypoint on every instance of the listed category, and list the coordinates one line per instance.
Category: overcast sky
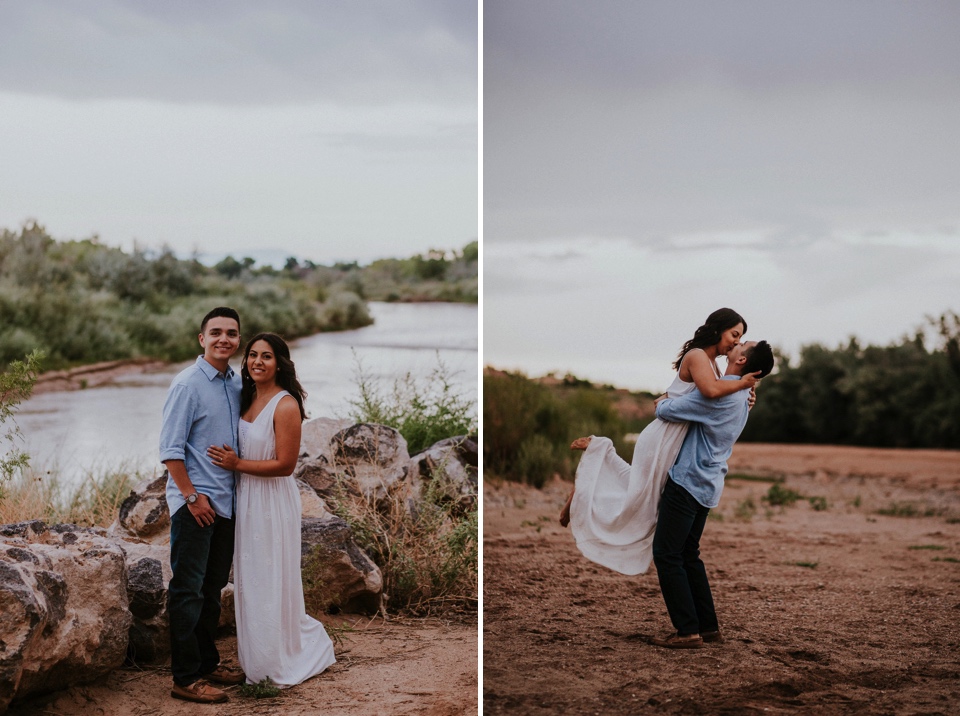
(327, 130)
(648, 162)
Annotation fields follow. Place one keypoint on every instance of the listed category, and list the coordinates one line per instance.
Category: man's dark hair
(759, 358)
(220, 311)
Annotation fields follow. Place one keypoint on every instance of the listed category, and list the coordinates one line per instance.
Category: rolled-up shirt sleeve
(692, 407)
(178, 415)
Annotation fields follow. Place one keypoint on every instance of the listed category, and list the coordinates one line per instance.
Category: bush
(16, 384)
(424, 412)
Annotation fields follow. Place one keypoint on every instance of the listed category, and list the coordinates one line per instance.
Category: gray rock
(144, 513)
(449, 468)
(64, 603)
(373, 457)
(337, 574)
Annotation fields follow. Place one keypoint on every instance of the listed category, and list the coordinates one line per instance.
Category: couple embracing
(623, 515)
(230, 444)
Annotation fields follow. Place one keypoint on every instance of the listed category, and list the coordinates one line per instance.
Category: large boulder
(316, 437)
(148, 574)
(373, 457)
(64, 615)
(337, 574)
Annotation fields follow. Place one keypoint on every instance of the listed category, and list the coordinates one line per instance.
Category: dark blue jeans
(676, 552)
(200, 558)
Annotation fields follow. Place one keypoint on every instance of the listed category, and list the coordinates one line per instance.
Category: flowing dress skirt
(613, 515)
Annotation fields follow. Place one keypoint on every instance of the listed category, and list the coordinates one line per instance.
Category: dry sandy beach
(836, 610)
(426, 667)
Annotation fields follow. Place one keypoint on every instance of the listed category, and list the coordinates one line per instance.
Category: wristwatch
(192, 498)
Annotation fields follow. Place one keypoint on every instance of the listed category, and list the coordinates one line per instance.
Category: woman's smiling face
(261, 362)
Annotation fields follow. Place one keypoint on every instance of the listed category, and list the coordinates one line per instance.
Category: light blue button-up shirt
(202, 409)
(715, 425)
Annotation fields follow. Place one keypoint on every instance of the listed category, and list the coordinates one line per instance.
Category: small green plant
(953, 520)
(946, 559)
(715, 515)
(935, 547)
(818, 503)
(264, 689)
(424, 412)
(745, 510)
(339, 634)
(806, 565)
(906, 509)
(780, 495)
(856, 501)
(16, 384)
(752, 478)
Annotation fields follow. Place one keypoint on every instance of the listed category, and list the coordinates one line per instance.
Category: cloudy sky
(645, 163)
(323, 129)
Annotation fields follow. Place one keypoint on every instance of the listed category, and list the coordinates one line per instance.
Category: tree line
(82, 302)
(903, 395)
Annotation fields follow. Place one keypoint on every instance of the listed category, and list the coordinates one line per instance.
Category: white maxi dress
(275, 636)
(613, 515)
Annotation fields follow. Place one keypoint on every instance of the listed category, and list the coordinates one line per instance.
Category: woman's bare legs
(578, 444)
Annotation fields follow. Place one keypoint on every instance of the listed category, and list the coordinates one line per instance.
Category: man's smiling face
(220, 339)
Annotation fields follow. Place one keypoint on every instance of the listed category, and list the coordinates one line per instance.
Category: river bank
(116, 420)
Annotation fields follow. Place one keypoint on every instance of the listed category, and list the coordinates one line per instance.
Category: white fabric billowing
(613, 515)
(275, 636)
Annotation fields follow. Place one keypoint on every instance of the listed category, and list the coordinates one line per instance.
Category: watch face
(192, 498)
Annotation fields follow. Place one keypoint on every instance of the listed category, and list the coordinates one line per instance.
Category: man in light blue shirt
(694, 486)
(202, 409)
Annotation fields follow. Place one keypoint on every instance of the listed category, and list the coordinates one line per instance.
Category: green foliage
(423, 411)
(905, 394)
(780, 495)
(81, 302)
(16, 384)
(906, 509)
(745, 510)
(818, 503)
(529, 425)
(935, 547)
(264, 689)
(807, 565)
(435, 276)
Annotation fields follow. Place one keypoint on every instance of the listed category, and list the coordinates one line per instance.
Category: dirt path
(401, 667)
(838, 610)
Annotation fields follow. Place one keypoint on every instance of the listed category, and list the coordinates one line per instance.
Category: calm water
(119, 422)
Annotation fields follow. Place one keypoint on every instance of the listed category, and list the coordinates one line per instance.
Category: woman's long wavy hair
(286, 373)
(723, 319)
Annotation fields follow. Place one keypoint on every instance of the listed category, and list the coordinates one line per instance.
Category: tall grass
(428, 555)
(424, 411)
(36, 494)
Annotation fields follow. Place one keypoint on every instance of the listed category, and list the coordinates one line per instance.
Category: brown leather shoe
(711, 636)
(226, 675)
(675, 641)
(199, 692)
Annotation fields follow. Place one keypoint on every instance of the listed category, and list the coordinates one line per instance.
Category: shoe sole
(195, 700)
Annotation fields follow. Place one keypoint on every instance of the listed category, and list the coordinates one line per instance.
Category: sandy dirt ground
(842, 610)
(426, 667)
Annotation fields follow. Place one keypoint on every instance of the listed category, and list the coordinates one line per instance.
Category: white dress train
(275, 636)
(613, 515)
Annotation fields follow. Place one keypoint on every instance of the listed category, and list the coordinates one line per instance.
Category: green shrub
(424, 411)
(780, 495)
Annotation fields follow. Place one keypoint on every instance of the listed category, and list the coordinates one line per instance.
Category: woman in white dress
(612, 511)
(275, 636)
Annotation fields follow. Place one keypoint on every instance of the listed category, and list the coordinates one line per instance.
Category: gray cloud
(241, 51)
(650, 119)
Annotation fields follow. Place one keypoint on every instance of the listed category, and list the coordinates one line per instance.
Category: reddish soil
(426, 667)
(842, 610)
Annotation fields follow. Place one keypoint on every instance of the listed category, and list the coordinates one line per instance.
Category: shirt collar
(210, 371)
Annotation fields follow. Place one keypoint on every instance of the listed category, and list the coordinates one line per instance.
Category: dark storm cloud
(645, 120)
(241, 51)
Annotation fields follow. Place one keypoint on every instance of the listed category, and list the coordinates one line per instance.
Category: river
(74, 433)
